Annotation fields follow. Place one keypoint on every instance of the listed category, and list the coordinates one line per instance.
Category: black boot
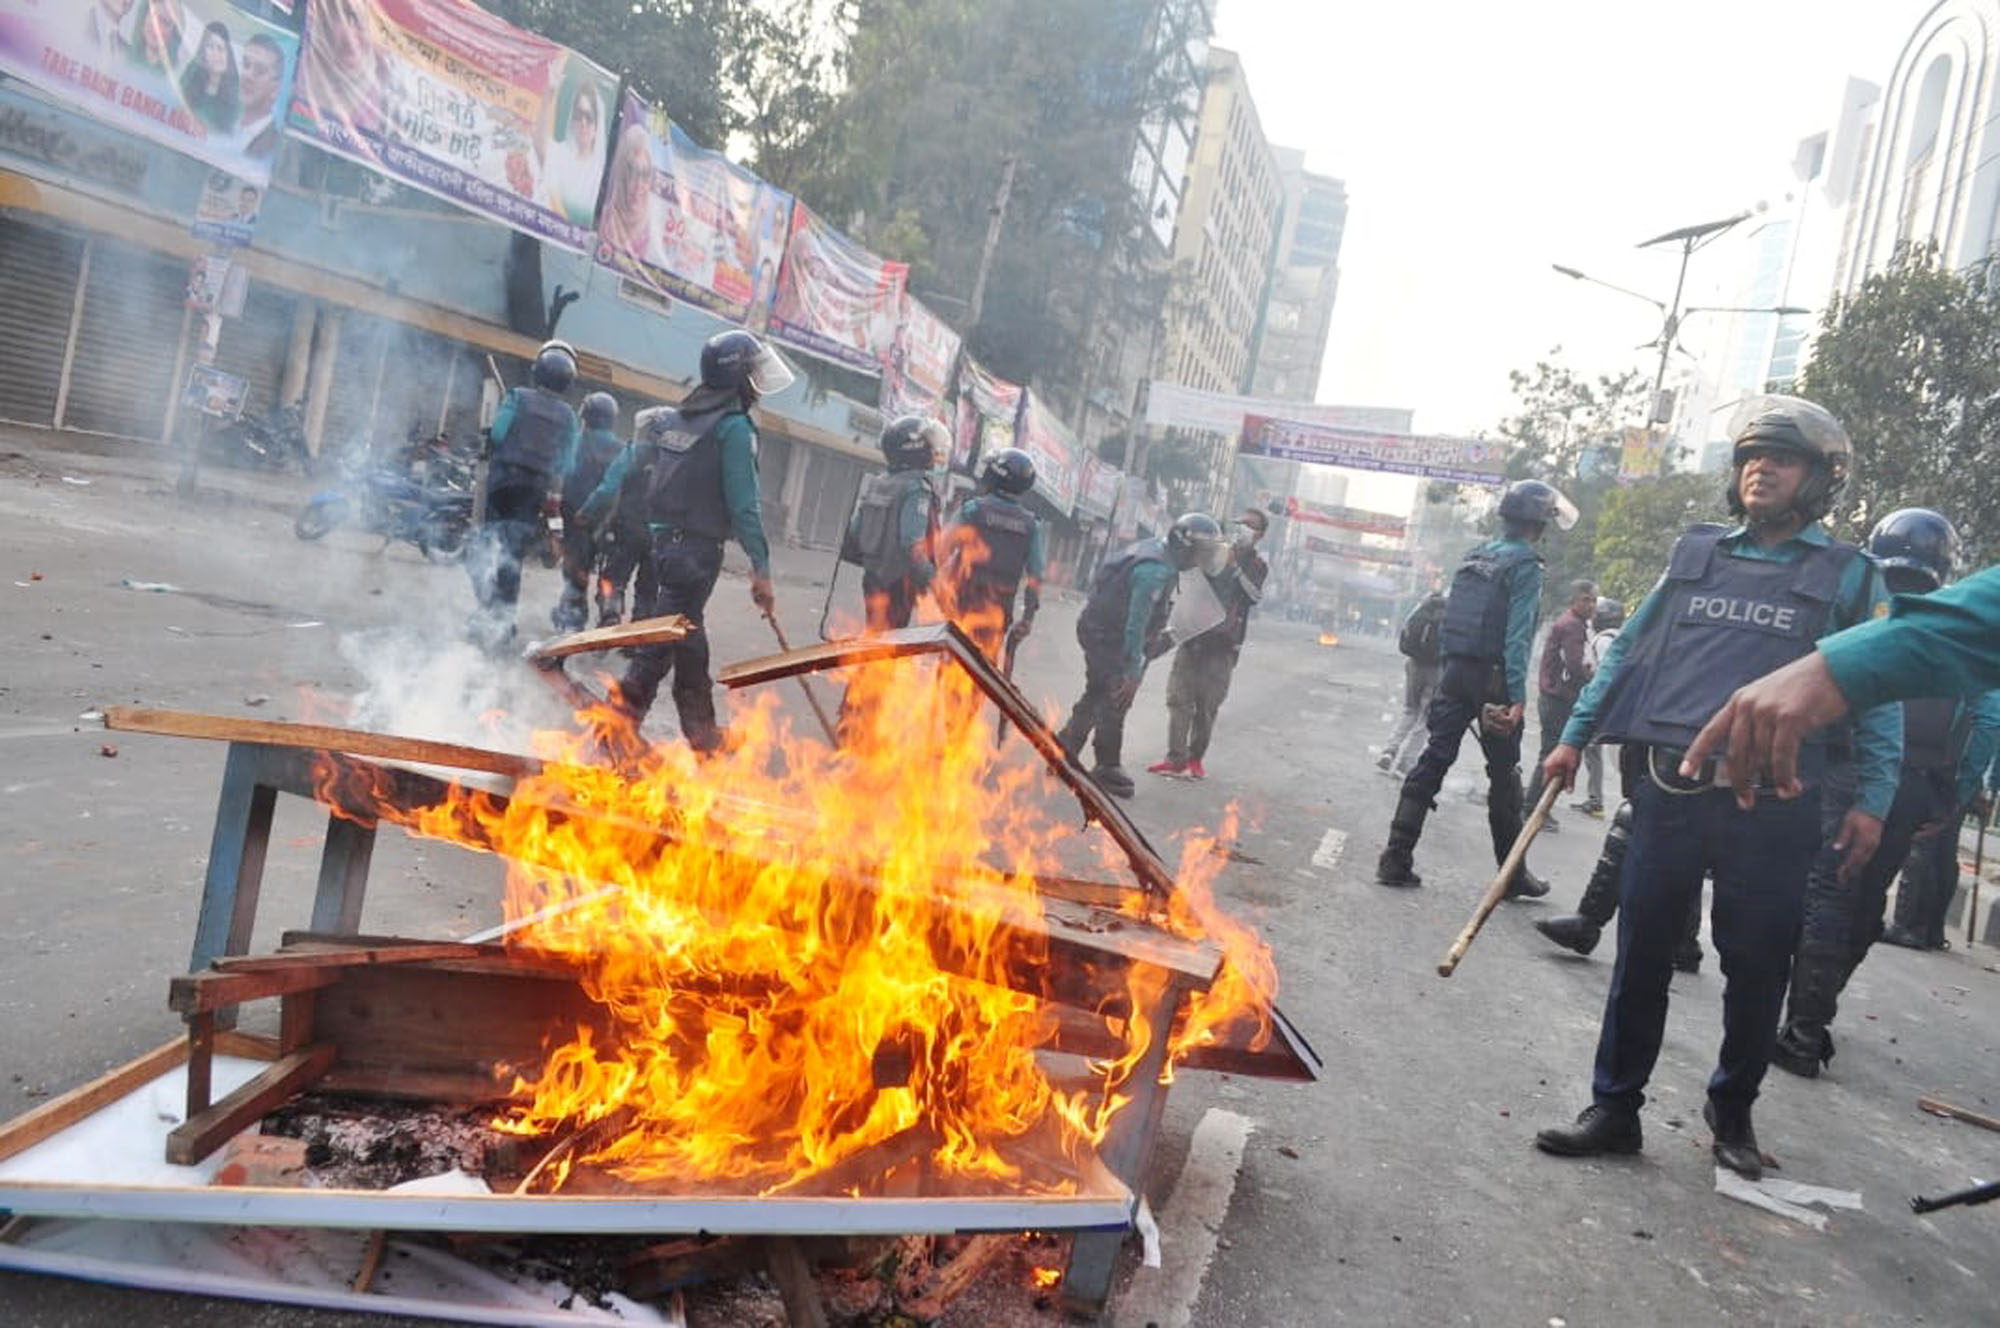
(1735, 1144)
(1804, 1044)
(1405, 828)
(1598, 1130)
(1503, 821)
(1579, 931)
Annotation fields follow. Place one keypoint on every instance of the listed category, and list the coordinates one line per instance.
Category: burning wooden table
(783, 991)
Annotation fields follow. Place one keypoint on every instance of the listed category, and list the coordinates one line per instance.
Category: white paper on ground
(445, 1182)
(1786, 1198)
(1149, 1233)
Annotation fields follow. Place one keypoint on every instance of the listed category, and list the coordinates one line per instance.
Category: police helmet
(1610, 615)
(555, 366)
(1009, 470)
(736, 359)
(913, 442)
(1529, 501)
(1800, 428)
(1195, 540)
(1918, 542)
(600, 410)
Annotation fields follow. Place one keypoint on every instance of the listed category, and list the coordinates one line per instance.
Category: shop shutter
(127, 343)
(253, 346)
(38, 272)
(362, 342)
(831, 484)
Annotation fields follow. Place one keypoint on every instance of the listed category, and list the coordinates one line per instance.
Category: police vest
(595, 452)
(684, 473)
(1006, 531)
(537, 433)
(1720, 622)
(1935, 731)
(879, 515)
(1476, 612)
(1102, 621)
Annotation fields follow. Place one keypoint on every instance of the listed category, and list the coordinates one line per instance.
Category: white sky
(1480, 142)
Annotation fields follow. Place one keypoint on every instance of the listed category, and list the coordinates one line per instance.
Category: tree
(1910, 364)
(1637, 524)
(1562, 417)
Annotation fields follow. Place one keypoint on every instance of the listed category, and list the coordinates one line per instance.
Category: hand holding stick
(1501, 879)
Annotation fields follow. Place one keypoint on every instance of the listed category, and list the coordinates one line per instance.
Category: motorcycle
(432, 510)
(277, 441)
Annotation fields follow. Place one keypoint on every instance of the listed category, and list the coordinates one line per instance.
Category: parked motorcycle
(276, 441)
(427, 502)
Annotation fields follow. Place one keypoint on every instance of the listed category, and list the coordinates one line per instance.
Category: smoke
(418, 685)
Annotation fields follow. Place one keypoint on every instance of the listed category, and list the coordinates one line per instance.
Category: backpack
(1419, 637)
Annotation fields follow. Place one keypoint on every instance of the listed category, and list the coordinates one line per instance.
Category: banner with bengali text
(1356, 552)
(1426, 456)
(1098, 489)
(198, 76)
(1172, 406)
(835, 299)
(987, 410)
(918, 372)
(688, 222)
(1347, 518)
(444, 97)
(1058, 457)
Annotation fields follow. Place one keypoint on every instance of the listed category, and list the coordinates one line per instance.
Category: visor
(1566, 513)
(769, 373)
(1212, 556)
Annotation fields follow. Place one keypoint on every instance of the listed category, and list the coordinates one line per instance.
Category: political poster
(1640, 453)
(198, 76)
(1057, 456)
(1346, 518)
(988, 409)
(213, 392)
(1426, 456)
(226, 212)
(444, 97)
(1098, 489)
(918, 372)
(1172, 406)
(687, 222)
(835, 299)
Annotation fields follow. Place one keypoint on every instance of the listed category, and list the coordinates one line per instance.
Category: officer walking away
(1123, 624)
(698, 477)
(1734, 603)
(1422, 659)
(1930, 873)
(893, 531)
(1917, 550)
(533, 433)
(1198, 682)
(1604, 624)
(1563, 672)
(993, 548)
(1489, 624)
(596, 448)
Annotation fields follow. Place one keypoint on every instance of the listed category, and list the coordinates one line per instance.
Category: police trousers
(1843, 919)
(1463, 687)
(685, 568)
(1099, 714)
(1760, 859)
(511, 524)
(1197, 684)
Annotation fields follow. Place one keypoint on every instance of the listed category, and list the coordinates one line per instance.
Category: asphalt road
(1402, 1188)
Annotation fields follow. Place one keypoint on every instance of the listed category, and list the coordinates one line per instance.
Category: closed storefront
(825, 497)
(253, 346)
(127, 343)
(38, 272)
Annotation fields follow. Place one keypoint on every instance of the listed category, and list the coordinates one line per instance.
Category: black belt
(674, 536)
(1663, 765)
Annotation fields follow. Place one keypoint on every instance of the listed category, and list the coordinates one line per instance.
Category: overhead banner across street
(835, 299)
(1346, 518)
(444, 97)
(1361, 553)
(688, 222)
(1427, 456)
(1171, 406)
(198, 76)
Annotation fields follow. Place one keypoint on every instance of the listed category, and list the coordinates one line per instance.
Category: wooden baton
(1497, 891)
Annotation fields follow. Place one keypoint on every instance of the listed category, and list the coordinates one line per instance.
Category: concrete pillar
(298, 352)
(319, 377)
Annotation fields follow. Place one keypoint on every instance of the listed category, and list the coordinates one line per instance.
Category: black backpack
(1419, 638)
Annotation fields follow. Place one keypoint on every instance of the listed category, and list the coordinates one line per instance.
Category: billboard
(444, 97)
(987, 410)
(1057, 456)
(198, 76)
(1171, 406)
(1347, 518)
(835, 299)
(1356, 552)
(687, 222)
(918, 372)
(1427, 456)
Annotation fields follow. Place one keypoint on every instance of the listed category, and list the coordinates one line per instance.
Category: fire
(812, 960)
(1328, 639)
(1046, 1277)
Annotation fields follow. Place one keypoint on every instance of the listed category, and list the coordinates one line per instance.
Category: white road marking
(1190, 1225)
(1331, 845)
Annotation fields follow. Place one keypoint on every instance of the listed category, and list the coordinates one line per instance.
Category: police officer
(994, 548)
(596, 448)
(894, 525)
(1605, 621)
(1489, 625)
(1123, 624)
(1733, 603)
(698, 478)
(1917, 550)
(1580, 931)
(1203, 665)
(1422, 659)
(532, 434)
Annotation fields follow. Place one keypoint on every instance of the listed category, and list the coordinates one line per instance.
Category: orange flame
(1046, 1277)
(1328, 639)
(807, 954)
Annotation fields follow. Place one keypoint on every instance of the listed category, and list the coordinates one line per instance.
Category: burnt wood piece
(353, 956)
(788, 1267)
(202, 993)
(354, 742)
(642, 632)
(950, 1282)
(200, 1062)
(205, 1131)
(59, 1113)
(661, 1268)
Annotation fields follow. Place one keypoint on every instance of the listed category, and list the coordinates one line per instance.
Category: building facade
(1290, 345)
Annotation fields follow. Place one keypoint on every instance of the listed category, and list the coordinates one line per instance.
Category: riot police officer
(992, 549)
(1124, 624)
(893, 531)
(1917, 550)
(596, 448)
(1489, 625)
(532, 434)
(697, 479)
(1734, 602)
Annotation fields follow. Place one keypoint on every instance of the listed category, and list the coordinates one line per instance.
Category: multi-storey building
(1290, 344)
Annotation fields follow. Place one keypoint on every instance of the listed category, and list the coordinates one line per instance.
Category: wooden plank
(59, 1113)
(355, 742)
(247, 1046)
(787, 1265)
(354, 956)
(623, 636)
(658, 1269)
(899, 644)
(200, 1061)
(198, 993)
(204, 1132)
(953, 1280)
(1966, 1114)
